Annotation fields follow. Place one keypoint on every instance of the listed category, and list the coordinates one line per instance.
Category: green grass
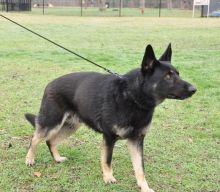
(182, 147)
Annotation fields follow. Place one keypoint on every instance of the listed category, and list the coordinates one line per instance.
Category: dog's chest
(130, 131)
(132, 124)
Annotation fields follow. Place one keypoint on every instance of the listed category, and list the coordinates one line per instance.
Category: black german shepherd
(119, 108)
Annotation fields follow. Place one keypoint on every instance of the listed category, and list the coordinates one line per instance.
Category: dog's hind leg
(40, 133)
(38, 136)
(135, 147)
(106, 158)
(52, 145)
(54, 138)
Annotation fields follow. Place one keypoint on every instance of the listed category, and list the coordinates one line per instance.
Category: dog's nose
(192, 89)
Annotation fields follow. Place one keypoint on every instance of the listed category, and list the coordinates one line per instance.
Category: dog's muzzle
(189, 91)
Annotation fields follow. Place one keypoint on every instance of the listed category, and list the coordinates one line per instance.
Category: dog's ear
(167, 54)
(148, 61)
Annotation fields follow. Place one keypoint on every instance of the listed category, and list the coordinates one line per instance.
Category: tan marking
(56, 135)
(122, 131)
(32, 149)
(137, 165)
(65, 131)
(56, 129)
(145, 129)
(149, 64)
(61, 133)
(56, 154)
(154, 86)
(106, 169)
(168, 76)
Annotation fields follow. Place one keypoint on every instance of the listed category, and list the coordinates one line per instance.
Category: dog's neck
(136, 96)
(138, 103)
(141, 101)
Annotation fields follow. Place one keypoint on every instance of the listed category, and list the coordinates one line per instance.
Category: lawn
(182, 148)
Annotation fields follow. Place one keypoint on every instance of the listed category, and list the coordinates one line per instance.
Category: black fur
(109, 142)
(49, 147)
(103, 101)
(31, 118)
(116, 107)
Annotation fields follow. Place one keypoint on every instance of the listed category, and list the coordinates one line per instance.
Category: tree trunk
(169, 4)
(142, 4)
(102, 5)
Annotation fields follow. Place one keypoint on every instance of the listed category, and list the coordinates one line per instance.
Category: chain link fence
(142, 8)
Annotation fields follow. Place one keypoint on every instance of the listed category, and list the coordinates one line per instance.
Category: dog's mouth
(183, 94)
(172, 96)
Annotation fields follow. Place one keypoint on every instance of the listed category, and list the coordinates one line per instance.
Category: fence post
(6, 5)
(120, 6)
(43, 7)
(160, 8)
(81, 5)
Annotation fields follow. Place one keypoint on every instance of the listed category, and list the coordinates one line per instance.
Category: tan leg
(54, 152)
(135, 147)
(106, 157)
(55, 139)
(31, 152)
(58, 137)
(58, 134)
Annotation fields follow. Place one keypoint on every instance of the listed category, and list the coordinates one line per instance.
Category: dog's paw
(29, 161)
(148, 190)
(60, 159)
(143, 189)
(109, 179)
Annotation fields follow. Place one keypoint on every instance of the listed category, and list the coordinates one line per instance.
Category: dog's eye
(169, 75)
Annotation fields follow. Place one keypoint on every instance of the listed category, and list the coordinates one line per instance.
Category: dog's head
(161, 79)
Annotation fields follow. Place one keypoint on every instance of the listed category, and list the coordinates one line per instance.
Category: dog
(118, 107)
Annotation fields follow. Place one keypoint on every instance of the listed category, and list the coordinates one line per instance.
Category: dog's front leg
(135, 147)
(106, 158)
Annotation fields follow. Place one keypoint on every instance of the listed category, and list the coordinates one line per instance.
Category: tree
(142, 4)
(102, 5)
(169, 4)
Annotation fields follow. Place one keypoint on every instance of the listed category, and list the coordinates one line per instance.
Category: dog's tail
(31, 118)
